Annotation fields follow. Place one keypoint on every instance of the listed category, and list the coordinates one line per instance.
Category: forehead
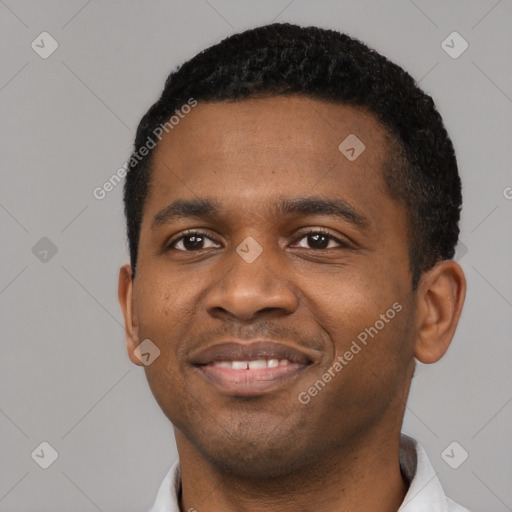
(253, 149)
(294, 123)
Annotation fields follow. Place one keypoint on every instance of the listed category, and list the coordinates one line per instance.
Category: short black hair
(283, 59)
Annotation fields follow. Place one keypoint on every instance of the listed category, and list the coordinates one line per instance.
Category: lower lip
(250, 382)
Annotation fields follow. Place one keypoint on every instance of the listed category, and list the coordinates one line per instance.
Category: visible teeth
(258, 364)
(240, 365)
(222, 364)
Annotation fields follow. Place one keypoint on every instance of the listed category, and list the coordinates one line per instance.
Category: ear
(125, 295)
(440, 297)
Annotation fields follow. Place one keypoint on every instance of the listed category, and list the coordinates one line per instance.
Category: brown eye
(320, 240)
(190, 242)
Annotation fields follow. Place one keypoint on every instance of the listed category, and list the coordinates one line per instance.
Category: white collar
(425, 491)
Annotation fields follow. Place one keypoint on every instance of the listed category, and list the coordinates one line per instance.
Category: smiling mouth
(251, 378)
(256, 364)
(251, 369)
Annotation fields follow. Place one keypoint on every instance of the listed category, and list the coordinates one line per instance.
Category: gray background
(67, 125)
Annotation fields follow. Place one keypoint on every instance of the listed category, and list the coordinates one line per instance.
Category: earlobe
(440, 298)
(125, 296)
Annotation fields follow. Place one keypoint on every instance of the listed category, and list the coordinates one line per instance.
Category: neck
(358, 477)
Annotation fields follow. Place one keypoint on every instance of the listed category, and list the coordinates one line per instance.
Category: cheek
(350, 298)
(365, 316)
(368, 373)
(165, 298)
(164, 314)
(164, 311)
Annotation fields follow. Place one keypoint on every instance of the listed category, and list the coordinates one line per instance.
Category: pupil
(315, 240)
(192, 241)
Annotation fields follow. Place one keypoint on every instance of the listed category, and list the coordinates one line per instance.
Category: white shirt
(425, 493)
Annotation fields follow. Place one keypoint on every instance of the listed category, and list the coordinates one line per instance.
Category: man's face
(320, 280)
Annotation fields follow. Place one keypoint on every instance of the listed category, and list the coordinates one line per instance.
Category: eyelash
(317, 231)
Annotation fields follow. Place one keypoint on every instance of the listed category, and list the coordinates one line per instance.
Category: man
(292, 207)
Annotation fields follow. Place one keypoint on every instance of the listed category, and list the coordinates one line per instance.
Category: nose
(248, 290)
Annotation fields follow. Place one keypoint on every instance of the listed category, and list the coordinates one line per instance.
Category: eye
(320, 239)
(192, 241)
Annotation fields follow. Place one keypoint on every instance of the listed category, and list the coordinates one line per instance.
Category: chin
(256, 463)
(255, 455)
(253, 446)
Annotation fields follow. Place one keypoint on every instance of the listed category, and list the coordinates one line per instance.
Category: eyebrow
(302, 206)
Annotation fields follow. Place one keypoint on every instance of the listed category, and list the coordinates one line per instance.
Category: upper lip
(234, 350)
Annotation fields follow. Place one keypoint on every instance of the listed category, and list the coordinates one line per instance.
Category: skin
(271, 452)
